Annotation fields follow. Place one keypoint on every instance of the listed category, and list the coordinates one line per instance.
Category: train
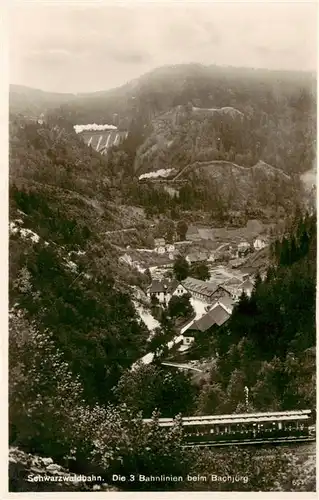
(263, 427)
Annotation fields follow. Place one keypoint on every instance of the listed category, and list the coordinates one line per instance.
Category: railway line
(286, 427)
(252, 442)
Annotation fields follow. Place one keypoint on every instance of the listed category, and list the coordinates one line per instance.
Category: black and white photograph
(162, 187)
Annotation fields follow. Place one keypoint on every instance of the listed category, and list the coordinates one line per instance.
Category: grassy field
(234, 235)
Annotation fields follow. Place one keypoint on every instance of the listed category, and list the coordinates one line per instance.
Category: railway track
(272, 441)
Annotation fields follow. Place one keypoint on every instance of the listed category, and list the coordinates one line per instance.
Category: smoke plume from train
(93, 126)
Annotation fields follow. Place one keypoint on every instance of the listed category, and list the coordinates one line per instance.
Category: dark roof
(156, 287)
(159, 286)
(192, 230)
(172, 286)
(225, 288)
(202, 324)
(217, 316)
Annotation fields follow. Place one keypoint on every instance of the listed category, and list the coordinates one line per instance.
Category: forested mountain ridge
(244, 135)
(216, 190)
(277, 110)
(185, 115)
(261, 186)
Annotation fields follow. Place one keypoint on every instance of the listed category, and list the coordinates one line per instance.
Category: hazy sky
(68, 48)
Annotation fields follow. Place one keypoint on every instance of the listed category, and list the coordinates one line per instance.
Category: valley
(162, 264)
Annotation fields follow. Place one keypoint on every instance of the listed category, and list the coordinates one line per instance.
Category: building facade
(259, 243)
(164, 290)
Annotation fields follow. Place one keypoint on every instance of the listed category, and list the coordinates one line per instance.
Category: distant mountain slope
(186, 133)
(277, 110)
(261, 185)
(267, 124)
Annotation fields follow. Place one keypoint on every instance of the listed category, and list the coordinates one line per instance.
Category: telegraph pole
(246, 390)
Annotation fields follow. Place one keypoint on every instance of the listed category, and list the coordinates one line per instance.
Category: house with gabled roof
(245, 286)
(222, 291)
(243, 248)
(170, 248)
(159, 244)
(227, 303)
(177, 289)
(165, 289)
(202, 290)
(216, 316)
(158, 290)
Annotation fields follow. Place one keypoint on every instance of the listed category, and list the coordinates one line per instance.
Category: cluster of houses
(243, 248)
(204, 291)
(200, 256)
(193, 234)
(236, 251)
(218, 300)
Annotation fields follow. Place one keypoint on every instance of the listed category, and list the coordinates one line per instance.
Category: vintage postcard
(162, 258)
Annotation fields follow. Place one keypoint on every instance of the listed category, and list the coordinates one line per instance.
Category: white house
(259, 243)
(211, 257)
(159, 291)
(186, 343)
(236, 290)
(177, 289)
